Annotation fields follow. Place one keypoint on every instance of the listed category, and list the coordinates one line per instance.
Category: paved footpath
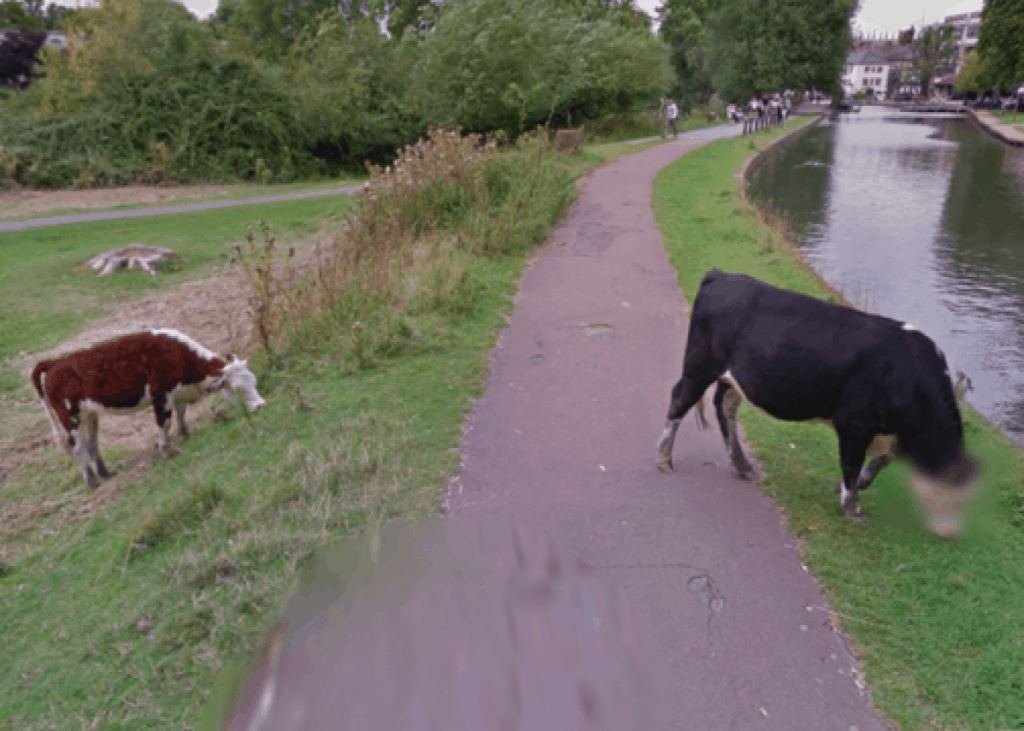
(564, 441)
(167, 210)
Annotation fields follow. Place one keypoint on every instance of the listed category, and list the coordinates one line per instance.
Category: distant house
(880, 68)
(867, 70)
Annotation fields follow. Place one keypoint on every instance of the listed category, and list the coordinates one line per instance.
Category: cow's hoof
(169, 452)
(746, 475)
(854, 512)
(665, 465)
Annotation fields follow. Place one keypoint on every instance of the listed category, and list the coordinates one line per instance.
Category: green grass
(1007, 117)
(46, 295)
(939, 626)
(236, 192)
(203, 549)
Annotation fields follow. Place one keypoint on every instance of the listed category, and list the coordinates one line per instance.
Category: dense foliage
(273, 89)
(1001, 42)
(934, 52)
(18, 56)
(745, 47)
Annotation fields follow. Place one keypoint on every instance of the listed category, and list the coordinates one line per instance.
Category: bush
(406, 255)
(202, 120)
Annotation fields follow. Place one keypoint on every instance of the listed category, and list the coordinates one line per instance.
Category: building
(867, 70)
(967, 26)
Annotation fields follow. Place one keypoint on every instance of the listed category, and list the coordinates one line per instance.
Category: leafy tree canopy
(764, 46)
(973, 76)
(1001, 41)
(510, 64)
(934, 53)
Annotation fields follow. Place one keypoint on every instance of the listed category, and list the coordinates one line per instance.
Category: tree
(512, 64)
(1001, 41)
(764, 46)
(18, 57)
(934, 52)
(268, 28)
(18, 15)
(974, 76)
(683, 26)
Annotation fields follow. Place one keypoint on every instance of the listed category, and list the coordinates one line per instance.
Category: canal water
(920, 219)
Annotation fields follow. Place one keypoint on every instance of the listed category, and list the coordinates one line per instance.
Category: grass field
(46, 295)
(123, 614)
(38, 204)
(1007, 117)
(939, 626)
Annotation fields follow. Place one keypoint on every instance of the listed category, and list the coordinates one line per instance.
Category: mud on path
(26, 202)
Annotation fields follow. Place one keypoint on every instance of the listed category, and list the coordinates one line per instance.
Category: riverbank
(938, 626)
(997, 128)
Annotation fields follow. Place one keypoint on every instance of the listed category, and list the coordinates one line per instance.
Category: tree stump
(132, 256)
(567, 141)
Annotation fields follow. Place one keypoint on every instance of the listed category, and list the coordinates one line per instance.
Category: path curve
(165, 210)
(563, 442)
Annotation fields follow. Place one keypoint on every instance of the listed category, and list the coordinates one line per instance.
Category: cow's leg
(162, 407)
(727, 404)
(869, 473)
(852, 451)
(92, 424)
(685, 394)
(79, 435)
(179, 412)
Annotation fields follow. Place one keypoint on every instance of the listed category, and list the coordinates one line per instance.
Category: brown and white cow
(165, 368)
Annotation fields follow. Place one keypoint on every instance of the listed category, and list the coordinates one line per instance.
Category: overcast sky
(881, 16)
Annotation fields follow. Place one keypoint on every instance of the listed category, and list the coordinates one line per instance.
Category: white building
(866, 70)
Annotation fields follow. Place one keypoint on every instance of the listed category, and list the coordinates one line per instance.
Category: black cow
(883, 385)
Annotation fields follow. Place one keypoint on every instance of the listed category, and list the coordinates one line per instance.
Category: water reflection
(921, 220)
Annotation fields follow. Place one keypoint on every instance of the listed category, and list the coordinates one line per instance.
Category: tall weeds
(406, 255)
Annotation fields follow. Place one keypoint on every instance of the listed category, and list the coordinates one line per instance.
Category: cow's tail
(37, 380)
(698, 414)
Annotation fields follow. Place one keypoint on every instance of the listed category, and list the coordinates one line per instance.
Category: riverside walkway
(563, 443)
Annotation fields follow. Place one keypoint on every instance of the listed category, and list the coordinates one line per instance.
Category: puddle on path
(605, 332)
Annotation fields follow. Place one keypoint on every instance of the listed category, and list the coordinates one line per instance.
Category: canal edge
(750, 166)
(1002, 132)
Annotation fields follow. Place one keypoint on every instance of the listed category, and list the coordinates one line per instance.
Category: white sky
(881, 16)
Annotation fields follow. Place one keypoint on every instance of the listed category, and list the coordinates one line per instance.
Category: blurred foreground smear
(447, 625)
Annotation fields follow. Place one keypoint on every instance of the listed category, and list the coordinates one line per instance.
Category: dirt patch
(27, 202)
(214, 311)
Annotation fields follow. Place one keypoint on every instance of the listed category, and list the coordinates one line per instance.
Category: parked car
(1009, 102)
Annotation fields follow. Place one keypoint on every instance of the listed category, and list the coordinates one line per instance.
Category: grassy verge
(939, 626)
(1008, 118)
(37, 206)
(46, 295)
(122, 615)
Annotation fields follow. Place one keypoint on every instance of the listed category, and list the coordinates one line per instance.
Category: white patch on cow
(162, 440)
(908, 327)
(844, 494)
(201, 351)
(729, 378)
(242, 380)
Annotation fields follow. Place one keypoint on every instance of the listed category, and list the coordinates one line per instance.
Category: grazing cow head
(237, 378)
(946, 496)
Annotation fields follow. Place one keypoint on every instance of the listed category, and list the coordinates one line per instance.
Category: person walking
(662, 106)
(672, 117)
